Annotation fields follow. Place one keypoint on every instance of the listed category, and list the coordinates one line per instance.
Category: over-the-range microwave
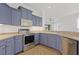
(26, 22)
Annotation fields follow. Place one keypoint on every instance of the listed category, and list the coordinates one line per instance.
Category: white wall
(68, 23)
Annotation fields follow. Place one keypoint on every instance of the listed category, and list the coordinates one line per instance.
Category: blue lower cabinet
(18, 44)
(55, 41)
(43, 39)
(2, 50)
(59, 43)
(10, 46)
(52, 41)
(2, 47)
(36, 40)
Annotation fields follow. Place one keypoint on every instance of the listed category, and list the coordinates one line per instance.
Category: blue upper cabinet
(34, 21)
(26, 14)
(16, 17)
(5, 14)
(37, 21)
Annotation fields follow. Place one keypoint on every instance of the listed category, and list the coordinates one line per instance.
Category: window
(78, 23)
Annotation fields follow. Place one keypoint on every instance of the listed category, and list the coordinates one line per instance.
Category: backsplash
(36, 28)
(8, 28)
(11, 28)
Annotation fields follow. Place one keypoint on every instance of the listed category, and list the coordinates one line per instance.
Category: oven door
(29, 42)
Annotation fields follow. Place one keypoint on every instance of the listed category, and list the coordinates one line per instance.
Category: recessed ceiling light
(49, 7)
(1, 24)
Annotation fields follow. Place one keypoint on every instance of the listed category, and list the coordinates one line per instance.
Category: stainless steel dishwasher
(72, 44)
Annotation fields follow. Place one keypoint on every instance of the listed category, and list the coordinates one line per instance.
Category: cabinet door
(52, 41)
(2, 47)
(37, 21)
(29, 15)
(2, 50)
(40, 22)
(59, 43)
(10, 46)
(26, 14)
(36, 40)
(43, 39)
(16, 17)
(34, 20)
(5, 14)
(18, 44)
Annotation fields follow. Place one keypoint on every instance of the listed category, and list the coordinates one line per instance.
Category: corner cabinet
(37, 38)
(43, 39)
(51, 40)
(37, 21)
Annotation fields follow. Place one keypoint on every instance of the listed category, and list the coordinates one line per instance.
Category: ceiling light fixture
(49, 7)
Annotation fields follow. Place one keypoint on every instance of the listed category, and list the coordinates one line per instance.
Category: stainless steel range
(28, 39)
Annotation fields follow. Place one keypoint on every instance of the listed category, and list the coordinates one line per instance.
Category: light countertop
(8, 35)
(71, 35)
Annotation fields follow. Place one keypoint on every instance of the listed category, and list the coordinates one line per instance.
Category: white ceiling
(57, 9)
